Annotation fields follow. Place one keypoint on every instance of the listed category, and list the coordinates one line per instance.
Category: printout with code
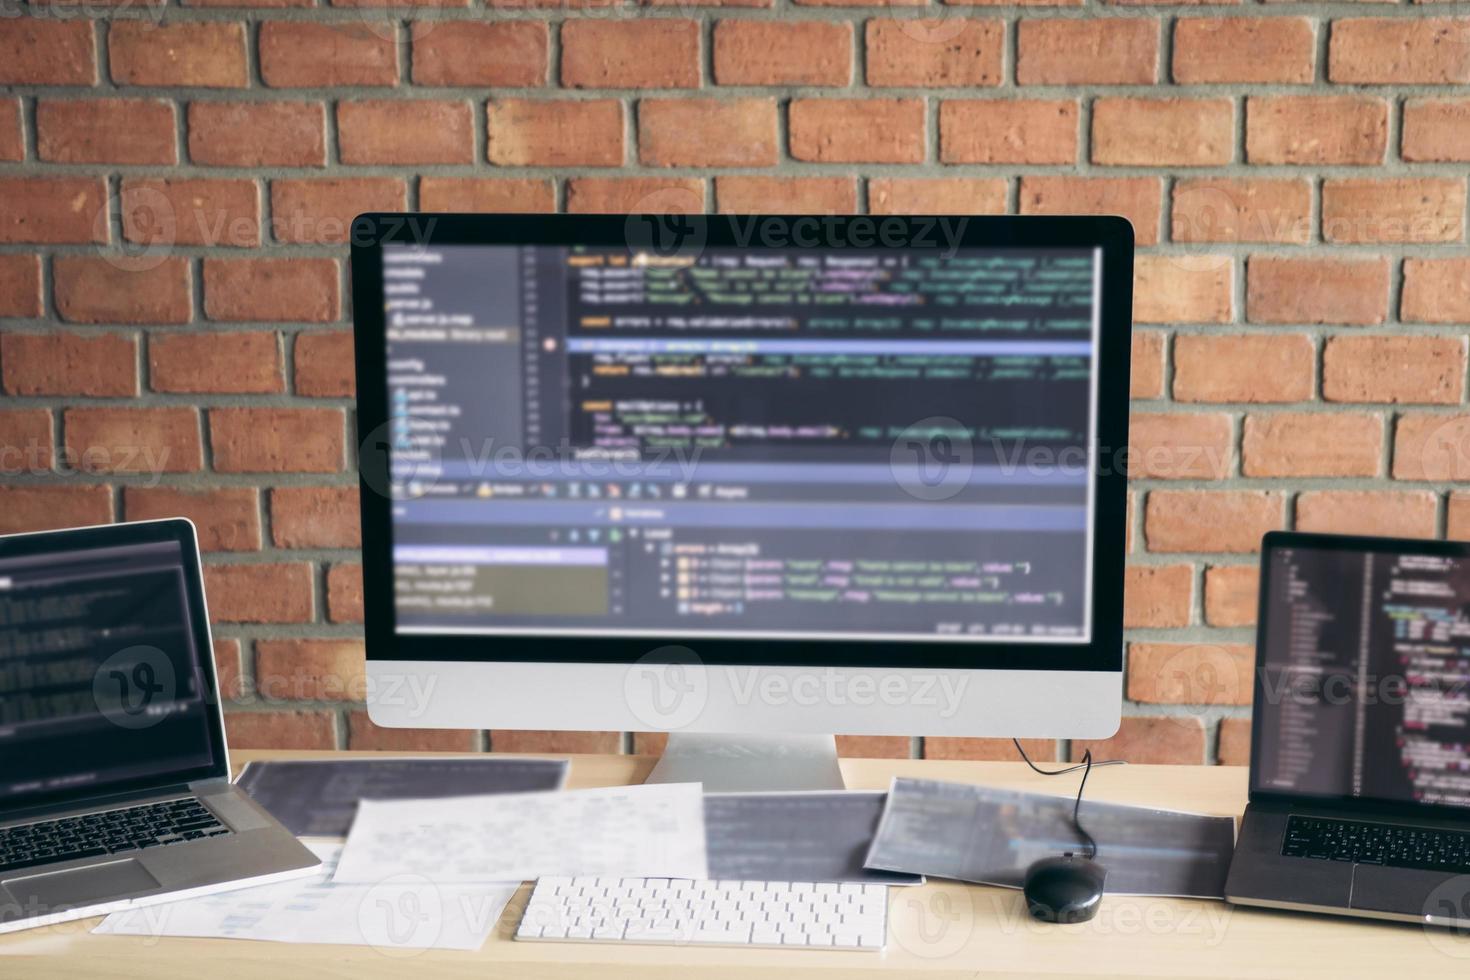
(990, 836)
(318, 798)
(654, 831)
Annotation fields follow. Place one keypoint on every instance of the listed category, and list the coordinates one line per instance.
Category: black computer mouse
(1064, 889)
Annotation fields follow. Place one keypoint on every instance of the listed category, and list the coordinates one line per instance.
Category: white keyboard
(671, 912)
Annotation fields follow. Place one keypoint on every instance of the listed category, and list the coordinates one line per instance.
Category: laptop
(1360, 740)
(114, 781)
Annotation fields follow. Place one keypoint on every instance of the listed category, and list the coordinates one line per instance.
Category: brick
(1041, 750)
(1391, 513)
(943, 52)
(1436, 291)
(226, 518)
(1146, 379)
(937, 195)
(118, 290)
(277, 440)
(227, 668)
(1408, 51)
(1225, 50)
(190, 212)
(508, 54)
(315, 517)
(1210, 520)
(1243, 368)
(310, 670)
(1180, 445)
(1231, 595)
(556, 133)
(320, 212)
(556, 743)
(789, 52)
(37, 508)
(1008, 131)
(53, 210)
(208, 54)
(857, 130)
(1283, 289)
(133, 440)
(1312, 444)
(1436, 131)
(12, 136)
(258, 134)
(1190, 673)
(1096, 51)
(1225, 209)
(27, 445)
(57, 363)
(234, 362)
(1315, 130)
(364, 736)
(1235, 742)
(1405, 370)
(1457, 526)
(272, 290)
(1163, 132)
(47, 51)
(324, 364)
(786, 195)
(1398, 211)
(1432, 447)
(1157, 596)
(1183, 289)
(1149, 740)
(873, 746)
(634, 53)
(1139, 199)
(277, 592)
(300, 54)
(279, 730)
(635, 195)
(707, 133)
(344, 593)
(106, 131)
(20, 286)
(487, 194)
(404, 132)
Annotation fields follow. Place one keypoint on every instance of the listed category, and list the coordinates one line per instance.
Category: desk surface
(943, 929)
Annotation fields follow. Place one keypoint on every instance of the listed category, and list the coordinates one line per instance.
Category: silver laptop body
(114, 774)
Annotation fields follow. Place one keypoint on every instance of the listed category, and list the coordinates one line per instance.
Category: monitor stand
(749, 763)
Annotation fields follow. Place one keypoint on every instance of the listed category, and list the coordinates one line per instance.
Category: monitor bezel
(1273, 541)
(1102, 652)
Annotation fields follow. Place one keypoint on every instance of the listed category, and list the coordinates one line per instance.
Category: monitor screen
(101, 678)
(1364, 686)
(801, 443)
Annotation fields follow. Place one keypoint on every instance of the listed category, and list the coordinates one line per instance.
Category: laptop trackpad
(1410, 891)
(83, 886)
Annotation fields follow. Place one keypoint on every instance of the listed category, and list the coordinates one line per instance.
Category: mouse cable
(1086, 766)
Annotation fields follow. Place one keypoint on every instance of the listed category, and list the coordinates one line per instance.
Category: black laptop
(1360, 740)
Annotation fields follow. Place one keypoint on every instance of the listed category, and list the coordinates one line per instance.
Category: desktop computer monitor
(747, 475)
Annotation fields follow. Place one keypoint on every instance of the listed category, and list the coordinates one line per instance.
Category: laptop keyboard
(1371, 843)
(131, 828)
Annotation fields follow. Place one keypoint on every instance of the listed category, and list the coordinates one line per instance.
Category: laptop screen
(1363, 688)
(103, 683)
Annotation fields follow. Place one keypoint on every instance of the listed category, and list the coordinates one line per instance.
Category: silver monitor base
(750, 763)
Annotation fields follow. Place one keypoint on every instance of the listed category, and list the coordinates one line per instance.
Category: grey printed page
(805, 836)
(990, 836)
(319, 799)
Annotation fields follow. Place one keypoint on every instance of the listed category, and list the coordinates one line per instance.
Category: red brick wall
(175, 183)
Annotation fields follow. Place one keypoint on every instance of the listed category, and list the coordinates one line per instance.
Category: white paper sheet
(392, 912)
(654, 831)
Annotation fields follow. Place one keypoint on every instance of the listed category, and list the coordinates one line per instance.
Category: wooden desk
(941, 930)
